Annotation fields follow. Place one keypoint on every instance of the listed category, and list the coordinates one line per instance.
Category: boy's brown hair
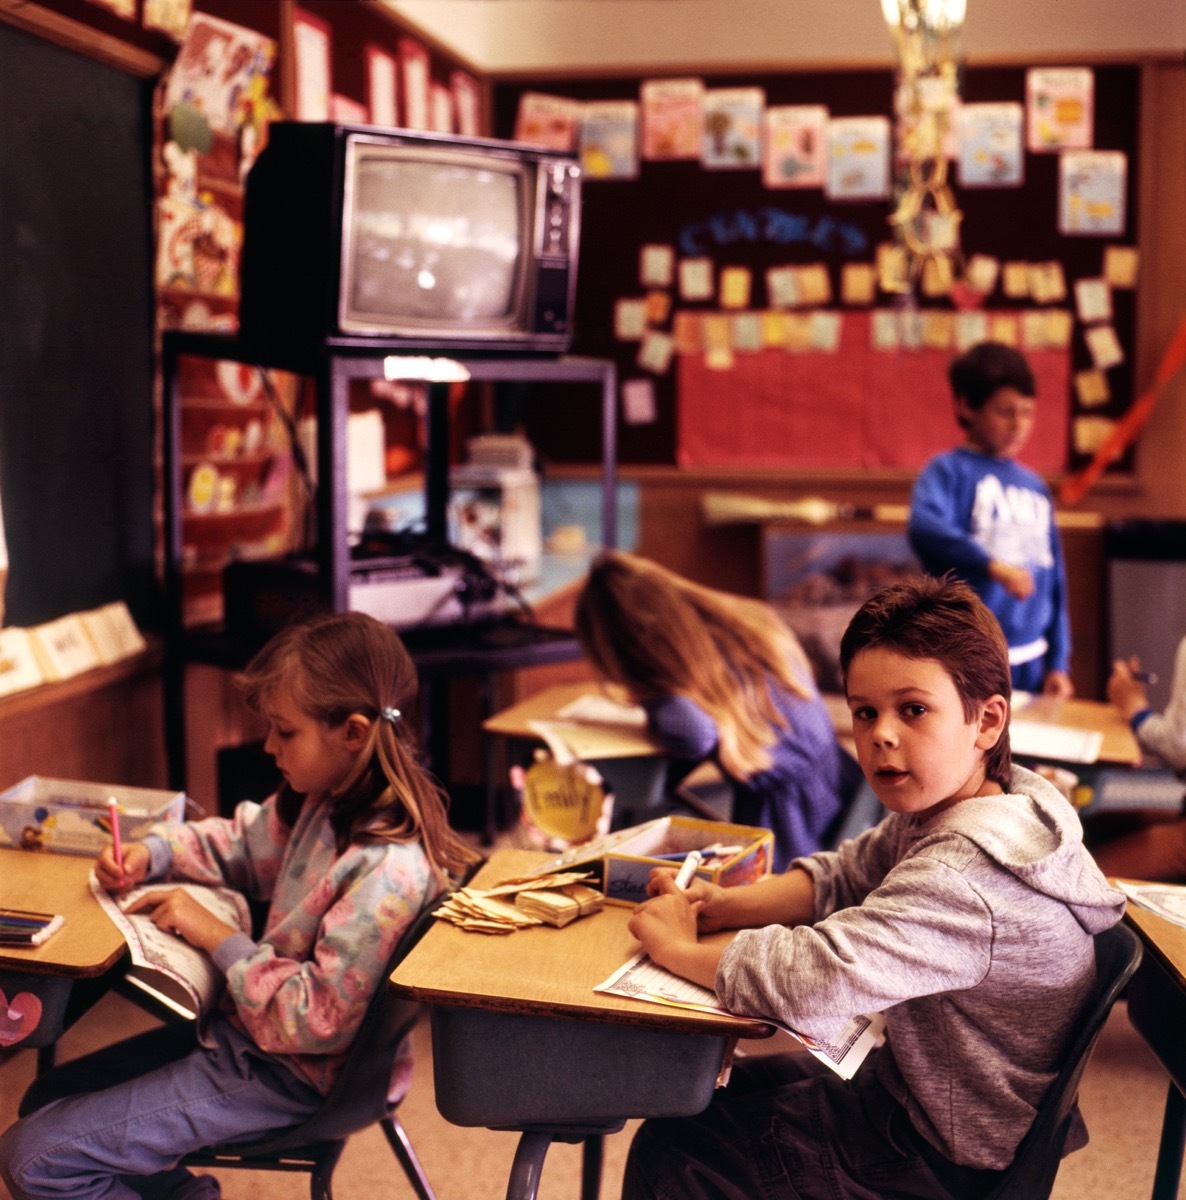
(980, 372)
(943, 620)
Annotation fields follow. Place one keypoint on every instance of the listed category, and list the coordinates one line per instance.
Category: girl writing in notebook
(345, 854)
(720, 677)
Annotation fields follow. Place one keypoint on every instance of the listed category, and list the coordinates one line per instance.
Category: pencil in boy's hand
(116, 845)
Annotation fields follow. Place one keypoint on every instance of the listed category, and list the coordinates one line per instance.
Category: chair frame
(1031, 1174)
(316, 1145)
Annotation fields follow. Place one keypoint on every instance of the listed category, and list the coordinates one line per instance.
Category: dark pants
(788, 1128)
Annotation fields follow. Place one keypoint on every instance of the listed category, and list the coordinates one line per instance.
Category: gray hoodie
(972, 931)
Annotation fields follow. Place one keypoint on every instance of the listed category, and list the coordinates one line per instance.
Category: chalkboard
(76, 422)
(718, 210)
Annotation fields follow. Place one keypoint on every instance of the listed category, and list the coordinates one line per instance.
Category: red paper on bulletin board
(858, 407)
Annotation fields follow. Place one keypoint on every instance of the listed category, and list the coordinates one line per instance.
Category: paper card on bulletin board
(414, 69)
(467, 103)
(853, 408)
(314, 80)
(382, 87)
(795, 146)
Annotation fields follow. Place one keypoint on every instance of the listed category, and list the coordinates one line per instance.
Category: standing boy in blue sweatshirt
(977, 512)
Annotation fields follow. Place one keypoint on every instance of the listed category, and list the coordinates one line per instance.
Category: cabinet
(481, 649)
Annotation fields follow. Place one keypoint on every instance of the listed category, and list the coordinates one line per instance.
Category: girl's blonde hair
(657, 634)
(331, 668)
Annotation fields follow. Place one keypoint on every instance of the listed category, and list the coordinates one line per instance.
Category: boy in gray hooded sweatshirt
(966, 917)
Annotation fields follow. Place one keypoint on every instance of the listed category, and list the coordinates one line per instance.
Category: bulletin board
(853, 406)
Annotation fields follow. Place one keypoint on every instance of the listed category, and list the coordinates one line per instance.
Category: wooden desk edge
(649, 1016)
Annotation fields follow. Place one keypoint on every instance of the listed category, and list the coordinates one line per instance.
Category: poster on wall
(440, 108)
(609, 139)
(169, 16)
(123, 8)
(990, 145)
(314, 81)
(467, 103)
(414, 70)
(731, 136)
(858, 159)
(217, 66)
(671, 118)
(795, 146)
(1091, 189)
(549, 121)
(381, 87)
(1060, 108)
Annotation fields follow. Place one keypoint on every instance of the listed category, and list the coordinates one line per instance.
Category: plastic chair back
(1031, 1175)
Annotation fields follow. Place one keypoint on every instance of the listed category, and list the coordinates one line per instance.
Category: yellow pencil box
(69, 816)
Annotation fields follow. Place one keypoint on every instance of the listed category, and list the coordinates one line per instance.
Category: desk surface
(88, 944)
(543, 971)
(1119, 745)
(584, 739)
(1162, 938)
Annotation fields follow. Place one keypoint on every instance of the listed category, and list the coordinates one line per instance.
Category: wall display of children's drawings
(1092, 187)
(858, 158)
(550, 121)
(414, 73)
(1060, 104)
(768, 279)
(169, 16)
(382, 87)
(795, 152)
(672, 118)
(312, 38)
(467, 103)
(609, 139)
(991, 150)
(732, 133)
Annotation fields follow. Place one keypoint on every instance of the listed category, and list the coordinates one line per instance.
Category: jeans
(788, 1128)
(115, 1123)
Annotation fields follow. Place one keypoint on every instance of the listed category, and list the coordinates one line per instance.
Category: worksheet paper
(642, 979)
(1163, 899)
(1036, 739)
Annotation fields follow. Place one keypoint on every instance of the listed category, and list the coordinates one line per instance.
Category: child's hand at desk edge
(114, 878)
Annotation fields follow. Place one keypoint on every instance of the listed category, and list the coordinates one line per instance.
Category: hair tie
(390, 715)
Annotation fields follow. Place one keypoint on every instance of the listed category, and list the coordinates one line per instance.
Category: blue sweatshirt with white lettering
(968, 508)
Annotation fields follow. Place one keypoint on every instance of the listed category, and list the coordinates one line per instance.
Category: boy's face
(1002, 426)
(916, 748)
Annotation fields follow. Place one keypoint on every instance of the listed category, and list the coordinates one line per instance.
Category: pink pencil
(116, 845)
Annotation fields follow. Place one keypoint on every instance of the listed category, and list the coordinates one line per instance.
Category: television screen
(433, 239)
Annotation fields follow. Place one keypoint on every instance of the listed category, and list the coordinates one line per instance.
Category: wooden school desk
(522, 1042)
(56, 973)
(1157, 1008)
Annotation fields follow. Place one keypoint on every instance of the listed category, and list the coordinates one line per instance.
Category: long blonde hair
(657, 634)
(331, 668)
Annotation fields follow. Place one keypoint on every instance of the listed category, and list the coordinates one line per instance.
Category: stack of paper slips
(534, 900)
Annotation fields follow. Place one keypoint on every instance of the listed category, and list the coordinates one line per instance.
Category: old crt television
(361, 234)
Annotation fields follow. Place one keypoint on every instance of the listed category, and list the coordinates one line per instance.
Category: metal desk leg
(591, 1150)
(528, 1165)
(1173, 1141)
